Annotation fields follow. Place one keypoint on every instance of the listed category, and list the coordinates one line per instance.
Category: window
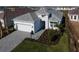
(32, 26)
(50, 15)
(43, 15)
(53, 24)
(71, 17)
(74, 17)
(12, 9)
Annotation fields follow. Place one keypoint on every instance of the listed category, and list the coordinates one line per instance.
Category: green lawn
(28, 45)
(62, 46)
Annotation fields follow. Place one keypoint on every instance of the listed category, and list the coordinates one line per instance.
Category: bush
(53, 36)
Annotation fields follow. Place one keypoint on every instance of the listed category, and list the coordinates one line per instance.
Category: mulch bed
(49, 37)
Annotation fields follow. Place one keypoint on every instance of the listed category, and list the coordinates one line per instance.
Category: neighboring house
(12, 12)
(74, 15)
(51, 17)
(8, 13)
(1, 18)
(28, 22)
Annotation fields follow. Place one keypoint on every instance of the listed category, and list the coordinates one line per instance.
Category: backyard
(29, 45)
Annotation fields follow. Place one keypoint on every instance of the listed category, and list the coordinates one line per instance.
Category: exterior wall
(53, 25)
(38, 25)
(45, 18)
(47, 21)
(77, 19)
(29, 26)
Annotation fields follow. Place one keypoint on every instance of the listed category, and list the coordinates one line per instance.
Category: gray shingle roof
(29, 17)
(46, 10)
(41, 11)
(75, 11)
(56, 13)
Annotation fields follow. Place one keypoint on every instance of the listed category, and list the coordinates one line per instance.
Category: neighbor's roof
(17, 12)
(41, 11)
(56, 13)
(47, 10)
(75, 11)
(29, 17)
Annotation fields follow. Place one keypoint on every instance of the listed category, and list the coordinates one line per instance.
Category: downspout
(48, 23)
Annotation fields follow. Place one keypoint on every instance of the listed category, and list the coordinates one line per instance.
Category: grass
(62, 46)
(28, 45)
(33, 46)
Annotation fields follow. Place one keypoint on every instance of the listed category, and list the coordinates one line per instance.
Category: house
(8, 13)
(12, 12)
(28, 22)
(1, 18)
(25, 19)
(74, 28)
(43, 18)
(74, 15)
(51, 17)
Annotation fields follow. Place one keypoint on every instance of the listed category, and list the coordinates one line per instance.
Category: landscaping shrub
(54, 36)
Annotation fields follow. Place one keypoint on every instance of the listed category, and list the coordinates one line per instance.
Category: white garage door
(24, 27)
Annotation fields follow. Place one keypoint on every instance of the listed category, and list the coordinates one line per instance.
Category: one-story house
(51, 17)
(28, 22)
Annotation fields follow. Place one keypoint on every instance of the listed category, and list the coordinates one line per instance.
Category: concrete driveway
(9, 42)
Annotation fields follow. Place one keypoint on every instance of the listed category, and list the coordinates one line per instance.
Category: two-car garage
(24, 27)
(24, 23)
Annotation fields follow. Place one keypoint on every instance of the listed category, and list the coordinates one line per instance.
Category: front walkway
(37, 35)
(9, 42)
